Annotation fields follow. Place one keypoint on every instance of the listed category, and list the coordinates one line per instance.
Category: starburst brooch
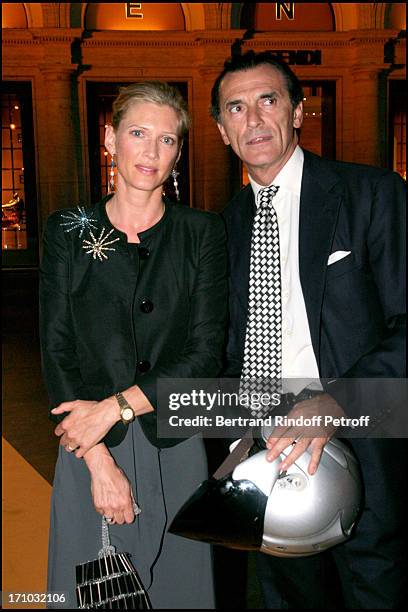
(79, 221)
(98, 246)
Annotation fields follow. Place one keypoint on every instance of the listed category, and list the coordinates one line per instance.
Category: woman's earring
(111, 188)
(175, 174)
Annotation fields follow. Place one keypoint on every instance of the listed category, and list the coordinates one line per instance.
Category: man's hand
(87, 423)
(111, 490)
(303, 437)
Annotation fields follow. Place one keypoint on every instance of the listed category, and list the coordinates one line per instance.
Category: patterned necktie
(262, 364)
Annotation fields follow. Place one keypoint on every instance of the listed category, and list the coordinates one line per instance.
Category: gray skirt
(176, 572)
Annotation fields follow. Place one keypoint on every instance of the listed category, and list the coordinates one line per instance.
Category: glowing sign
(132, 9)
(287, 7)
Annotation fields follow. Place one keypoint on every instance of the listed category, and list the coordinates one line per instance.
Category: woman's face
(146, 144)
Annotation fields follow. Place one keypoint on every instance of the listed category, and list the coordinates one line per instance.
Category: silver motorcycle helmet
(292, 514)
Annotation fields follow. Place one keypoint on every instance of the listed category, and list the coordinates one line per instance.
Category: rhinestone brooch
(79, 221)
(98, 246)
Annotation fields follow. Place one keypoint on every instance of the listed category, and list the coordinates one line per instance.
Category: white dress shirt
(298, 358)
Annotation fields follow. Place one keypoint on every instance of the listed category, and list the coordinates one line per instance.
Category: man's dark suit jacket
(97, 337)
(356, 306)
(356, 313)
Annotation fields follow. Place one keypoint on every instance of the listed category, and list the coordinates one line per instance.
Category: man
(340, 311)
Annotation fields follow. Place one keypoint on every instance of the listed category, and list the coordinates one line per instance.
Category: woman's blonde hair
(156, 92)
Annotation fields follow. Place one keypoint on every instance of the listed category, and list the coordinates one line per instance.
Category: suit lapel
(320, 200)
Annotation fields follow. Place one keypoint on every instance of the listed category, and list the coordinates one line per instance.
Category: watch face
(127, 414)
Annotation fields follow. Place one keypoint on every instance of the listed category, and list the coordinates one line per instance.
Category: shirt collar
(289, 178)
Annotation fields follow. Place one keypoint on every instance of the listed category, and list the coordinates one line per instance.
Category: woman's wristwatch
(127, 414)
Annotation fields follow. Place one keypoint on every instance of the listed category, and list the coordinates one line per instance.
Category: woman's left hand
(86, 425)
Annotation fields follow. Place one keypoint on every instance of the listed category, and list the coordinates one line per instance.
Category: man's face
(257, 120)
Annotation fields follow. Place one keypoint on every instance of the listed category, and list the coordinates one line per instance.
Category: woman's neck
(133, 215)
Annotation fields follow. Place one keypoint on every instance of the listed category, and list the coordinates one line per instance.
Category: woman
(132, 290)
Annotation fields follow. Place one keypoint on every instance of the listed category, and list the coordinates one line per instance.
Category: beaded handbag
(110, 581)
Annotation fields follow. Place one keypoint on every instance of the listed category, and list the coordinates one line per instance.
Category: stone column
(215, 169)
(58, 180)
(366, 116)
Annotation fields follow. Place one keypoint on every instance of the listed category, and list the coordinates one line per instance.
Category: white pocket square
(336, 256)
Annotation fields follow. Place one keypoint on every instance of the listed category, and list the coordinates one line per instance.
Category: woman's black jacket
(104, 326)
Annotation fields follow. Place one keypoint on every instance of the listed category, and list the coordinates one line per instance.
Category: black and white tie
(262, 363)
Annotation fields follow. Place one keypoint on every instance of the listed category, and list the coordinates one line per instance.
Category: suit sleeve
(201, 356)
(386, 247)
(59, 360)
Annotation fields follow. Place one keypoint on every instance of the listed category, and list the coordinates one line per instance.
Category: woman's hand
(87, 424)
(111, 490)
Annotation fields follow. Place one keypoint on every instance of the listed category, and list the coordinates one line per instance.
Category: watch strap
(124, 405)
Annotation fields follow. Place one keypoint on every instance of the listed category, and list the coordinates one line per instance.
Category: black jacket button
(143, 366)
(143, 252)
(146, 305)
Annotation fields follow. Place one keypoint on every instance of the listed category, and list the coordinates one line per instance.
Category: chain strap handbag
(110, 581)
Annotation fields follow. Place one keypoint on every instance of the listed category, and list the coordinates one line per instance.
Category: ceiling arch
(396, 16)
(34, 14)
(194, 15)
(249, 11)
(13, 15)
(301, 16)
(360, 16)
(158, 16)
(347, 15)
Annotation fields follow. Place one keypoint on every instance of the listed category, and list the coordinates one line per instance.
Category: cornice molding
(39, 36)
(196, 39)
(139, 43)
(10, 42)
(294, 42)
